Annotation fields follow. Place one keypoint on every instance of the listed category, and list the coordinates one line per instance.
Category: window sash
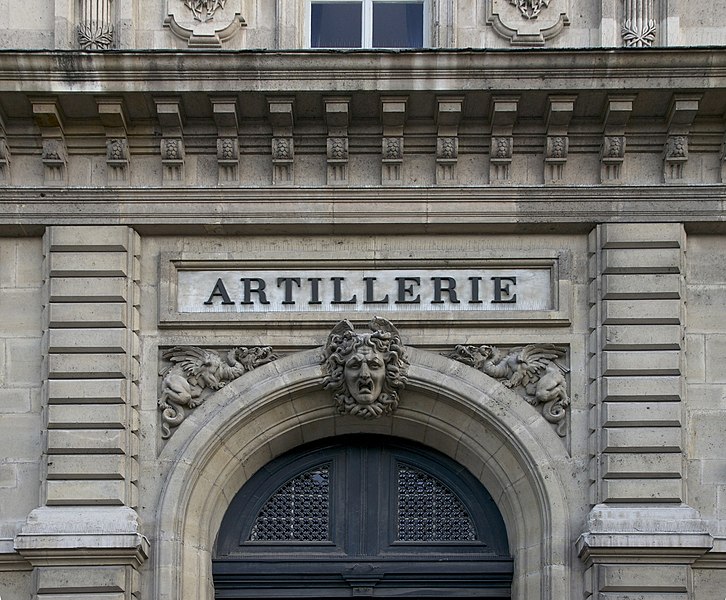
(367, 17)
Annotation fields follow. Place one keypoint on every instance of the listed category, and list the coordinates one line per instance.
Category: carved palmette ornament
(532, 371)
(365, 371)
(195, 373)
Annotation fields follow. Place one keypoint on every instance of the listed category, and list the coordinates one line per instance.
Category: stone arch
(448, 406)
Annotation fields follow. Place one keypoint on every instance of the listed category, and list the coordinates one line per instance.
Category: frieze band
(365, 372)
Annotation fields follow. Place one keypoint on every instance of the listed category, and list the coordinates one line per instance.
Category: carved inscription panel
(381, 290)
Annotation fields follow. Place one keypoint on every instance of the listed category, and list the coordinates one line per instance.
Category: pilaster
(90, 395)
(636, 390)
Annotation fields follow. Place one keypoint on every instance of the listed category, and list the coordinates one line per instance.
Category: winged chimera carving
(195, 373)
(533, 369)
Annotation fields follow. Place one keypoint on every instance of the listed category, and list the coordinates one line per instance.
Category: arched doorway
(362, 515)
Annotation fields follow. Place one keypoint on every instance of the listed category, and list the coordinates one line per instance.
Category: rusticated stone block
(87, 466)
(88, 289)
(641, 439)
(641, 337)
(619, 389)
(89, 264)
(641, 363)
(85, 492)
(672, 578)
(88, 340)
(642, 490)
(640, 465)
(87, 366)
(634, 414)
(86, 441)
(87, 390)
(87, 314)
(86, 416)
(641, 287)
(635, 311)
(96, 238)
(647, 260)
(641, 235)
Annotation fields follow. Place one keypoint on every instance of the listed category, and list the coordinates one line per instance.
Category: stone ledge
(633, 534)
(10, 559)
(60, 535)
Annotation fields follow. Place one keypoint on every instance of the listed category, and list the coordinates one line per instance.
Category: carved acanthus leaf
(195, 373)
(532, 371)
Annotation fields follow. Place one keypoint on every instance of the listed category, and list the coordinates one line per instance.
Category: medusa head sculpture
(365, 371)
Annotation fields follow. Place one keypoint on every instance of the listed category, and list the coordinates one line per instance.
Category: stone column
(640, 537)
(90, 396)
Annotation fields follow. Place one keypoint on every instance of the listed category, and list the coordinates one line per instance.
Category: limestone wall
(21, 414)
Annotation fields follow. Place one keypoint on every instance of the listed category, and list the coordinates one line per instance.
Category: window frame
(367, 24)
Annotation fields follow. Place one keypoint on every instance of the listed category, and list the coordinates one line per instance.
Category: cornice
(340, 71)
(327, 210)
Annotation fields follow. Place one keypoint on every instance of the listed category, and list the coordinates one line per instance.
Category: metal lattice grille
(428, 511)
(298, 511)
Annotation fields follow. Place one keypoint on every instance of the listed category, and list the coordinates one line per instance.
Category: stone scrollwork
(195, 373)
(531, 370)
(365, 371)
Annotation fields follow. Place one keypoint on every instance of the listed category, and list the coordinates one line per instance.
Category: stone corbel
(503, 113)
(528, 22)
(612, 152)
(448, 117)
(337, 118)
(4, 154)
(281, 115)
(225, 117)
(559, 115)
(393, 118)
(113, 117)
(47, 115)
(681, 114)
(170, 116)
(204, 23)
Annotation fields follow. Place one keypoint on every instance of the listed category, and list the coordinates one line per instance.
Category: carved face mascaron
(364, 374)
(365, 371)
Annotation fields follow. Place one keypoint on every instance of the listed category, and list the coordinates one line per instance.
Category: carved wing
(339, 329)
(194, 361)
(381, 324)
(534, 358)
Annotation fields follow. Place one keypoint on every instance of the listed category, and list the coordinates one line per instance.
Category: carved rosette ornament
(365, 371)
(532, 371)
(194, 374)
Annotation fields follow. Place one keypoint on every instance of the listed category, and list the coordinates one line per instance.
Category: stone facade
(181, 226)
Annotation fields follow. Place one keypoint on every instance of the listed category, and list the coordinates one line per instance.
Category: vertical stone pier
(91, 371)
(640, 537)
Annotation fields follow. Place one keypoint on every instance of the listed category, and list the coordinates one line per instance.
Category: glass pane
(298, 511)
(335, 25)
(397, 25)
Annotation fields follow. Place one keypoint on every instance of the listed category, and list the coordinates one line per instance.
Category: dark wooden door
(362, 516)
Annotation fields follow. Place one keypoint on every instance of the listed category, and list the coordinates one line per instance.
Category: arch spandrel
(448, 406)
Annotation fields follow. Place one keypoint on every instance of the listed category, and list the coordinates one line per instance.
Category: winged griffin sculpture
(533, 369)
(195, 373)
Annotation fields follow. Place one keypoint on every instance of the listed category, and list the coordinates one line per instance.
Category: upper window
(367, 23)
